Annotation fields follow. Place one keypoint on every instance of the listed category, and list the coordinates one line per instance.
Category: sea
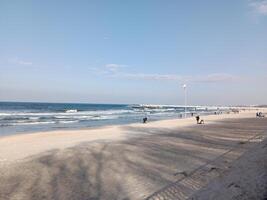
(26, 117)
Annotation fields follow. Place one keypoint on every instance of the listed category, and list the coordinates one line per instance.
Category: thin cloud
(108, 69)
(259, 6)
(114, 67)
(114, 71)
(157, 77)
(210, 78)
(106, 37)
(20, 62)
(219, 77)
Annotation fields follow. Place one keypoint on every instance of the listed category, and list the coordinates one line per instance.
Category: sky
(141, 51)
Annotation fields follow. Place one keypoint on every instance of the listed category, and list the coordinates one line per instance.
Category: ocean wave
(92, 118)
(55, 119)
(34, 118)
(4, 125)
(71, 111)
(68, 122)
(107, 112)
(13, 118)
(68, 112)
(31, 123)
(105, 117)
(4, 114)
(83, 117)
(26, 114)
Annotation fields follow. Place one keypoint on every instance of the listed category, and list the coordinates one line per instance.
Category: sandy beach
(168, 159)
(133, 100)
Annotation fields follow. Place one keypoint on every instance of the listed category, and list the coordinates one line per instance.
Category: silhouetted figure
(197, 118)
(145, 120)
(199, 121)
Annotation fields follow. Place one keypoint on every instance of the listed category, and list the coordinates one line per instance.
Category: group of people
(199, 121)
(259, 114)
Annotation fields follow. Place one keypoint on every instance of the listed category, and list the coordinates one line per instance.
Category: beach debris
(233, 185)
(181, 173)
(242, 142)
(213, 168)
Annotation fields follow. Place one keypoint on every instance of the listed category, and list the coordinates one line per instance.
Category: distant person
(144, 120)
(259, 114)
(192, 114)
(199, 121)
(197, 118)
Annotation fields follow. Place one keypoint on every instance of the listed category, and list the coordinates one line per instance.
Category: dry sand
(246, 179)
(17, 147)
(171, 159)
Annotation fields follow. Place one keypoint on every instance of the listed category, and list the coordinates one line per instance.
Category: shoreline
(224, 115)
(46, 118)
(30, 144)
(103, 125)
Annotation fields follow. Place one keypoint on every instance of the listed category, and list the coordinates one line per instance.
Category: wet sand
(175, 159)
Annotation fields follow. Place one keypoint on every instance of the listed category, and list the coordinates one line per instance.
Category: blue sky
(138, 51)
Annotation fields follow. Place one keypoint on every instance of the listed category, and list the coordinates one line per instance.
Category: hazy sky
(138, 51)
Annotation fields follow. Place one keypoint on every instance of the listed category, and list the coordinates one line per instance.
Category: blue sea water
(31, 117)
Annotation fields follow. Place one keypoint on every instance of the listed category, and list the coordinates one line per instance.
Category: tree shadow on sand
(148, 160)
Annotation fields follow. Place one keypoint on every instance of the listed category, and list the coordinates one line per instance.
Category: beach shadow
(135, 168)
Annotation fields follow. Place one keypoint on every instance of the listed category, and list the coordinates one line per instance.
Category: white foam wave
(104, 117)
(71, 111)
(5, 114)
(68, 122)
(68, 112)
(32, 123)
(34, 118)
